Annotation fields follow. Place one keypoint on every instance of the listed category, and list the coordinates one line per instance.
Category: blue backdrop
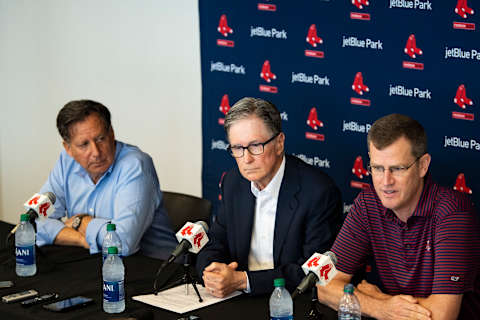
(332, 68)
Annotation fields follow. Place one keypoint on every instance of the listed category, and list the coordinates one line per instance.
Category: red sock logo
(462, 9)
(312, 36)
(460, 184)
(358, 168)
(267, 73)
(411, 47)
(360, 3)
(225, 104)
(313, 121)
(223, 27)
(461, 97)
(358, 86)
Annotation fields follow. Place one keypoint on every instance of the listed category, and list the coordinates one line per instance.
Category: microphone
(320, 269)
(39, 205)
(191, 237)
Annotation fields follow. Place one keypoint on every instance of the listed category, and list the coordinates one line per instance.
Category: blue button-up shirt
(128, 194)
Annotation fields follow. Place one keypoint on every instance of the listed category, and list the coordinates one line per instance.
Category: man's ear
(68, 148)
(424, 164)
(280, 143)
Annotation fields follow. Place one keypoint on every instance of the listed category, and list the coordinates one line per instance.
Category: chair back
(183, 207)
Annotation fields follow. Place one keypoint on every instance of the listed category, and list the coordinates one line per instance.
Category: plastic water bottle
(349, 307)
(111, 240)
(25, 248)
(281, 304)
(113, 282)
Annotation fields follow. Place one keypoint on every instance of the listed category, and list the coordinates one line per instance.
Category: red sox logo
(223, 27)
(312, 36)
(461, 185)
(43, 209)
(312, 120)
(325, 270)
(224, 104)
(197, 239)
(267, 73)
(411, 47)
(360, 3)
(313, 262)
(358, 168)
(358, 86)
(34, 200)
(187, 230)
(461, 98)
(462, 9)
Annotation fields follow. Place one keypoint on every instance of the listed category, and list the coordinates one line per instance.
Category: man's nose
(247, 156)
(388, 178)
(95, 150)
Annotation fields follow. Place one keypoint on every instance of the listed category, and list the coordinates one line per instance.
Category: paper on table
(177, 300)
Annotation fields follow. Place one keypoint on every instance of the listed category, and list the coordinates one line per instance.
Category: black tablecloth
(72, 271)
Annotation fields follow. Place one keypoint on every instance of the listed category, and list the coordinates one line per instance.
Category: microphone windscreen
(203, 224)
(51, 196)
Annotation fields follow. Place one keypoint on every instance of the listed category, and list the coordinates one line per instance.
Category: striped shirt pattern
(437, 251)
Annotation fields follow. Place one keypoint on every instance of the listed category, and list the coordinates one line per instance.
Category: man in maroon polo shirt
(425, 238)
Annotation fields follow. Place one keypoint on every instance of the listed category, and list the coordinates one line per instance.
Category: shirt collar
(273, 187)
(425, 204)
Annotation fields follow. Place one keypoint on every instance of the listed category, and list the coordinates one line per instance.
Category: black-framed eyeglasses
(254, 148)
(396, 171)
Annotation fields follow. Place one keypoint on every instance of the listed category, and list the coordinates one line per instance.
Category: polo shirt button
(407, 246)
(91, 209)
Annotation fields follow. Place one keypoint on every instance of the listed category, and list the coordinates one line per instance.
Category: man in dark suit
(275, 212)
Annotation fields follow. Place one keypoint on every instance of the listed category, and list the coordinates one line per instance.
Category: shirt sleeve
(352, 245)
(134, 202)
(457, 253)
(47, 229)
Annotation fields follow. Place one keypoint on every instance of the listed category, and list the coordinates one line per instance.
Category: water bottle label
(25, 255)
(282, 318)
(113, 291)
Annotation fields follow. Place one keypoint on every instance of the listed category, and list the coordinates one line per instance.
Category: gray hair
(264, 110)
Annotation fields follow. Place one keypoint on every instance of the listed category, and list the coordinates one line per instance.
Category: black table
(72, 271)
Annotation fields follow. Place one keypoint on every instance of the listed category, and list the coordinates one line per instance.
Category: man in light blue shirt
(98, 179)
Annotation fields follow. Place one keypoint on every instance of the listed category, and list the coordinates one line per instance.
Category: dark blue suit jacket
(309, 215)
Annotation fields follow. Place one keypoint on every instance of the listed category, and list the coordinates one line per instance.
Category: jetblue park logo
(362, 43)
(219, 145)
(459, 53)
(227, 67)
(310, 79)
(457, 142)
(399, 90)
(314, 161)
(267, 33)
(354, 126)
(415, 5)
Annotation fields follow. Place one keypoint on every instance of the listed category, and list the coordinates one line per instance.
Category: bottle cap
(348, 288)
(111, 227)
(24, 217)
(279, 282)
(112, 250)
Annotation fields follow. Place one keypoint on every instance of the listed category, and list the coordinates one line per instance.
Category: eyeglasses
(396, 171)
(254, 148)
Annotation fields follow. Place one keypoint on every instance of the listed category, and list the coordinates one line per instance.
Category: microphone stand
(186, 279)
(313, 313)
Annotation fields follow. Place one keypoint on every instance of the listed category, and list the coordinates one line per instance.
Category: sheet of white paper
(177, 300)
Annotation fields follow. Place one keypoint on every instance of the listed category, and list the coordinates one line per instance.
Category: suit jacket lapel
(244, 220)
(286, 205)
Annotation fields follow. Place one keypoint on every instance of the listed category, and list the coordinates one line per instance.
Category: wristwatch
(77, 221)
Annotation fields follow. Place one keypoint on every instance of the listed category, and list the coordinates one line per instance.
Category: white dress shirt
(261, 246)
